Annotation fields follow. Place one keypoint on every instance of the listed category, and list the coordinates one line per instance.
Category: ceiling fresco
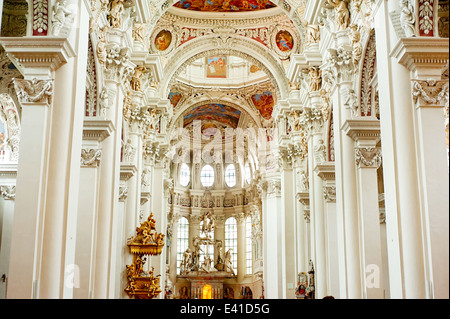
(213, 113)
(224, 5)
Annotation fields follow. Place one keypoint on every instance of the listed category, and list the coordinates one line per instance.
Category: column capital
(37, 57)
(90, 157)
(8, 191)
(329, 193)
(430, 92)
(369, 157)
(34, 91)
(424, 56)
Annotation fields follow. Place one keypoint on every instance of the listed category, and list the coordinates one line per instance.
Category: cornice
(97, 129)
(31, 53)
(425, 55)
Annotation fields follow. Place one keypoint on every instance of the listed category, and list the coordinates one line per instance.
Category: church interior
(224, 149)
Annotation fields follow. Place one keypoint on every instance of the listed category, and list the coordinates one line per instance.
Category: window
(231, 239)
(248, 173)
(230, 175)
(207, 176)
(248, 243)
(185, 175)
(182, 240)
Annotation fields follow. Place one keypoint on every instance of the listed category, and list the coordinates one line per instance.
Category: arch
(186, 107)
(245, 48)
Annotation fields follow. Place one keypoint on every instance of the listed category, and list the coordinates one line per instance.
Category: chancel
(289, 149)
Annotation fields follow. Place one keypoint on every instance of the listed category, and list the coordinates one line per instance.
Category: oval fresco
(163, 40)
(284, 40)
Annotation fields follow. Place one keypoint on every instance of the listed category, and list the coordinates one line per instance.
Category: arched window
(230, 175)
(207, 176)
(231, 239)
(185, 175)
(182, 240)
(248, 244)
(248, 173)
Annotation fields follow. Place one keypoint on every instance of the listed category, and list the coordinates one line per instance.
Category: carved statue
(320, 151)
(116, 8)
(407, 18)
(101, 45)
(60, 13)
(206, 265)
(355, 36)
(228, 267)
(295, 121)
(342, 14)
(315, 76)
(135, 82)
(128, 152)
(186, 263)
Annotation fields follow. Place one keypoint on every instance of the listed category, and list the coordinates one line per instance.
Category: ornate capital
(40, 91)
(339, 67)
(273, 188)
(90, 157)
(8, 191)
(329, 193)
(368, 157)
(123, 193)
(430, 92)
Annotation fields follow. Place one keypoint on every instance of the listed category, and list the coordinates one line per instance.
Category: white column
(7, 195)
(430, 94)
(274, 286)
(392, 85)
(49, 162)
(340, 74)
(365, 131)
(333, 250)
(240, 247)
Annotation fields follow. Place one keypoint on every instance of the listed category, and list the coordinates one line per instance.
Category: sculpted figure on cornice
(407, 18)
(60, 16)
(342, 15)
(315, 78)
(116, 9)
(355, 36)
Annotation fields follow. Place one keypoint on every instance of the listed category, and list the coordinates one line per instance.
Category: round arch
(233, 45)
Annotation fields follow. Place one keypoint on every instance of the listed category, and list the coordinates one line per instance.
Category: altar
(207, 285)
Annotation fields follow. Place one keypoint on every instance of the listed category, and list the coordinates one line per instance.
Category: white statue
(60, 13)
(342, 14)
(228, 267)
(407, 18)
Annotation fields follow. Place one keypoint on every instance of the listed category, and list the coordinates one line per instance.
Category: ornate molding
(430, 91)
(123, 193)
(329, 193)
(368, 157)
(8, 192)
(338, 67)
(90, 157)
(34, 91)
